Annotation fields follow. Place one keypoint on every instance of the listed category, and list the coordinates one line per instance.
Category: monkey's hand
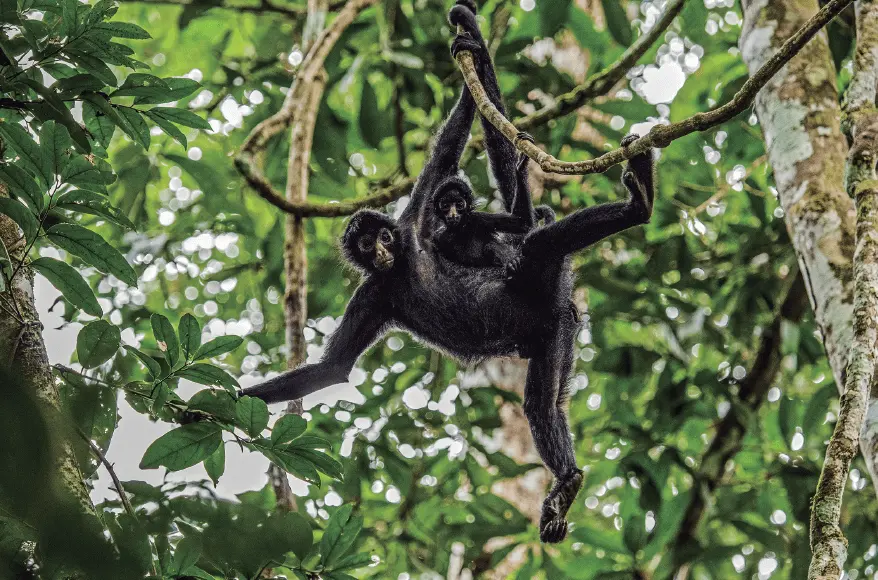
(469, 4)
(463, 14)
(629, 139)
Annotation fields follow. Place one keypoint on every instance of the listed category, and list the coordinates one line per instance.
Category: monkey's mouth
(384, 264)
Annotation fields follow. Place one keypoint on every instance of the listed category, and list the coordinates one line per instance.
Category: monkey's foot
(468, 4)
(464, 42)
(641, 199)
(629, 139)
(553, 523)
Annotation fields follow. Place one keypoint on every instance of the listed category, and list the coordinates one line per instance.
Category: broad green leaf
(54, 143)
(183, 447)
(251, 415)
(169, 128)
(287, 428)
(21, 215)
(296, 465)
(93, 249)
(70, 283)
(179, 89)
(141, 85)
(218, 346)
(352, 562)
(373, 127)
(323, 462)
(22, 185)
(98, 123)
(309, 442)
(190, 335)
(97, 342)
(216, 402)
(293, 531)
(123, 30)
(186, 554)
(94, 65)
(205, 374)
(134, 126)
(553, 16)
(81, 172)
(30, 156)
(166, 338)
(93, 203)
(79, 82)
(152, 365)
(215, 465)
(340, 534)
(617, 22)
(180, 117)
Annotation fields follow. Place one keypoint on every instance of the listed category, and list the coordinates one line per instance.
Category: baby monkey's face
(452, 206)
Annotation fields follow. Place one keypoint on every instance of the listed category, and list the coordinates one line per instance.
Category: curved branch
(661, 135)
(247, 160)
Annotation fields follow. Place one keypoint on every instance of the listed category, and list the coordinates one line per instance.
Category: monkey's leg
(543, 407)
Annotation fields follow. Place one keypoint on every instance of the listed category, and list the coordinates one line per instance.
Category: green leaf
(218, 403)
(79, 82)
(179, 88)
(617, 22)
(553, 16)
(70, 283)
(21, 215)
(141, 85)
(23, 186)
(166, 338)
(353, 562)
(328, 465)
(190, 335)
(93, 203)
(296, 465)
(97, 342)
(218, 346)
(82, 173)
(183, 447)
(152, 365)
(169, 128)
(767, 537)
(54, 143)
(287, 428)
(186, 554)
(215, 465)
(30, 156)
(208, 179)
(251, 415)
(123, 30)
(134, 126)
(205, 374)
(309, 442)
(93, 249)
(180, 117)
(98, 123)
(373, 126)
(95, 66)
(340, 534)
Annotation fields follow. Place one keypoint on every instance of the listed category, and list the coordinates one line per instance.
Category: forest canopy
(174, 180)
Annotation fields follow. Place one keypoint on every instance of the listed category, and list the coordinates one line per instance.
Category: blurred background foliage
(676, 312)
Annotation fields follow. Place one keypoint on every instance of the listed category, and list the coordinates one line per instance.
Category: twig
(661, 135)
(247, 161)
(126, 503)
(828, 543)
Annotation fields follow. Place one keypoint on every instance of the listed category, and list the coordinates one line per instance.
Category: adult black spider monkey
(472, 313)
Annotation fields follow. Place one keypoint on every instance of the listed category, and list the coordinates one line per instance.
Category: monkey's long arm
(502, 154)
(364, 321)
(499, 222)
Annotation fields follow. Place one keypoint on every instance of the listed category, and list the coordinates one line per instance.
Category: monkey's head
(453, 201)
(371, 241)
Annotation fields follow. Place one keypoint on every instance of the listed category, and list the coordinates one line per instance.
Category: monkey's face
(452, 206)
(377, 248)
(371, 241)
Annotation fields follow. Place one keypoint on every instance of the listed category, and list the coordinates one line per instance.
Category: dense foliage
(149, 234)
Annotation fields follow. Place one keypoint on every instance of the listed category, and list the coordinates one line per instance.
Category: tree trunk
(800, 118)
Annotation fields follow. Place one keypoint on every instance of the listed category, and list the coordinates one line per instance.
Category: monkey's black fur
(468, 237)
(473, 313)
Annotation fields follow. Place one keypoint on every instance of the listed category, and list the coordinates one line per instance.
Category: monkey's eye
(386, 237)
(461, 205)
(444, 205)
(366, 243)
